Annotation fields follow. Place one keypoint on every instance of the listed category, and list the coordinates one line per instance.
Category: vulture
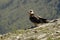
(36, 19)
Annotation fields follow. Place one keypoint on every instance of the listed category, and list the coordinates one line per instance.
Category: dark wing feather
(34, 19)
(37, 19)
(42, 20)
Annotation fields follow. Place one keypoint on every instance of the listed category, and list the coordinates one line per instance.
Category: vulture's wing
(43, 20)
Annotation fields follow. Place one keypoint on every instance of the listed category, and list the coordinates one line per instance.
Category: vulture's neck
(32, 15)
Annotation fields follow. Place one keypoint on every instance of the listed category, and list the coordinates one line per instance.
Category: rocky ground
(48, 31)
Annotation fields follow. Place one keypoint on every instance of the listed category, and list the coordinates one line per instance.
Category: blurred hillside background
(14, 16)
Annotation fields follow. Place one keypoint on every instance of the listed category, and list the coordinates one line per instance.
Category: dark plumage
(36, 19)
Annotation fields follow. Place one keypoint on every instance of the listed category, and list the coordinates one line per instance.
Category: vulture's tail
(53, 21)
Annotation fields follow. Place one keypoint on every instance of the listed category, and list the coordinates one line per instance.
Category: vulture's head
(31, 12)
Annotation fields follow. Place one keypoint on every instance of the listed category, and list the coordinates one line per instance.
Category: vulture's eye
(30, 11)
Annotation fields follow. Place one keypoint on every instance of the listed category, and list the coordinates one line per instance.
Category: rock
(48, 31)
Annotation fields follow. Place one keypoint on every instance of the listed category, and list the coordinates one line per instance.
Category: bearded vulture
(36, 19)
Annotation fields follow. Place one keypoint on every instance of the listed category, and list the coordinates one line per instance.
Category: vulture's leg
(36, 24)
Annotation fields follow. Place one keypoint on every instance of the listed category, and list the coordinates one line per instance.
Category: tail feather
(53, 21)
